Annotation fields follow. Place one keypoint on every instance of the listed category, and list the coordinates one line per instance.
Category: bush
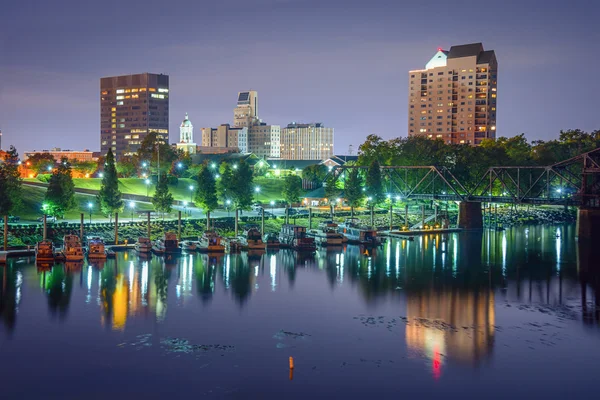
(44, 177)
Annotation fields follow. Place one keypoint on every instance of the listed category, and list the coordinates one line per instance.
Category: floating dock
(420, 232)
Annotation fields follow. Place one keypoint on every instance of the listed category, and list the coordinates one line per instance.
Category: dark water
(498, 314)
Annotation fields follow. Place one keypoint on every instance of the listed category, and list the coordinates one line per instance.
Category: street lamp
(272, 207)
(397, 198)
(227, 203)
(101, 175)
(49, 168)
(185, 204)
(257, 189)
(147, 181)
(179, 165)
(234, 166)
(213, 165)
(144, 164)
(132, 206)
(191, 192)
(90, 206)
(217, 176)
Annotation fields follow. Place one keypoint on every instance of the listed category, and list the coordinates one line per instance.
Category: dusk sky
(343, 63)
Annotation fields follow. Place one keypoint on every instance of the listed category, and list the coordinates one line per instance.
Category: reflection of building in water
(437, 321)
(120, 304)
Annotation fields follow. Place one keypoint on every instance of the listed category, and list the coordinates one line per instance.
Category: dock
(420, 232)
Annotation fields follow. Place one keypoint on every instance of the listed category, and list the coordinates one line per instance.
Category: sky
(341, 62)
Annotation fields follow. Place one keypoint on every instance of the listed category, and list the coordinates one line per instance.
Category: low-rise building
(58, 154)
(226, 137)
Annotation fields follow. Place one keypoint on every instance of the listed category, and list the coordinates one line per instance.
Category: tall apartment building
(131, 106)
(225, 137)
(264, 140)
(454, 97)
(306, 142)
(246, 112)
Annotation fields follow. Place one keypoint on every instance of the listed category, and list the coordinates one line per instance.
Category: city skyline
(337, 68)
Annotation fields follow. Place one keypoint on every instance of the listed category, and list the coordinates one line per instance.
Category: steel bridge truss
(575, 181)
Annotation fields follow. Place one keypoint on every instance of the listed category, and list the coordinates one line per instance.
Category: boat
(358, 234)
(189, 246)
(294, 236)
(168, 245)
(327, 234)
(253, 240)
(211, 242)
(143, 245)
(234, 246)
(72, 249)
(272, 241)
(96, 248)
(44, 252)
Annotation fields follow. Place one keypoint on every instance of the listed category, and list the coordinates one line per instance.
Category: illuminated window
(127, 90)
(135, 96)
(104, 92)
(120, 91)
(120, 97)
(134, 90)
(142, 89)
(157, 96)
(152, 89)
(113, 109)
(113, 126)
(119, 103)
(136, 136)
(161, 90)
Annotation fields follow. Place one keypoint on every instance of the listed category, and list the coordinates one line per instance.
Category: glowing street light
(235, 166)
(272, 207)
(185, 204)
(559, 190)
(398, 198)
(144, 164)
(90, 207)
(217, 176)
(179, 165)
(147, 182)
(227, 204)
(257, 189)
(101, 175)
(213, 165)
(49, 168)
(132, 206)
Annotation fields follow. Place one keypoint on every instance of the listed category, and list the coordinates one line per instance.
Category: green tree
(155, 150)
(60, 196)
(225, 185)
(332, 186)
(40, 162)
(353, 190)
(206, 193)
(162, 199)
(84, 167)
(10, 183)
(315, 173)
(109, 196)
(374, 183)
(292, 189)
(127, 167)
(242, 186)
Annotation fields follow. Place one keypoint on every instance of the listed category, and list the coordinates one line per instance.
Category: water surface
(492, 314)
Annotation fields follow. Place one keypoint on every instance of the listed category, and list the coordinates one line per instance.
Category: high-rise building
(306, 142)
(131, 106)
(225, 138)
(264, 140)
(246, 112)
(454, 97)
(186, 136)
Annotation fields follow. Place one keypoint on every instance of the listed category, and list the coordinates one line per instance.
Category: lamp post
(185, 204)
(191, 192)
(132, 206)
(147, 181)
(272, 207)
(90, 207)
(227, 204)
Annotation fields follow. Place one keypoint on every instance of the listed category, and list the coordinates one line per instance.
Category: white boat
(189, 246)
(253, 240)
(143, 245)
(169, 244)
(96, 248)
(327, 234)
(211, 242)
(294, 236)
(357, 234)
(44, 252)
(72, 249)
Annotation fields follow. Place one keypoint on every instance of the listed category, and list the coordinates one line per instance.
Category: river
(494, 314)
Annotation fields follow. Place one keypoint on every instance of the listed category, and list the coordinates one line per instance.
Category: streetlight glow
(213, 165)
(257, 189)
(234, 166)
(179, 165)
(101, 174)
(217, 176)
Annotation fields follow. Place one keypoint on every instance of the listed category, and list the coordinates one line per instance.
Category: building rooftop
(465, 50)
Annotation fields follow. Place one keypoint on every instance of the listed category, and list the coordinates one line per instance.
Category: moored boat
(327, 235)
(44, 252)
(357, 234)
(189, 246)
(253, 240)
(96, 248)
(72, 249)
(168, 245)
(143, 245)
(233, 246)
(294, 236)
(211, 242)
(272, 241)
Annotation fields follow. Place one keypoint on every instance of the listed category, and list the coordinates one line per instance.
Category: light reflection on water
(455, 302)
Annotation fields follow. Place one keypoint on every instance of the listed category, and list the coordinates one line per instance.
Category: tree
(40, 162)
(109, 196)
(206, 193)
(85, 167)
(332, 186)
(292, 189)
(225, 185)
(162, 199)
(151, 148)
(242, 186)
(315, 173)
(374, 183)
(353, 190)
(60, 196)
(127, 167)
(10, 183)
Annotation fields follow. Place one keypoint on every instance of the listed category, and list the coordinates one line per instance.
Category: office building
(186, 136)
(246, 112)
(58, 154)
(454, 97)
(306, 142)
(224, 139)
(264, 140)
(131, 106)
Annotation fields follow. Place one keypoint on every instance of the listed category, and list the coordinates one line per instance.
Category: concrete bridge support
(469, 215)
(588, 223)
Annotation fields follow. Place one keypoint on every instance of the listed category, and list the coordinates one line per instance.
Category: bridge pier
(469, 215)
(588, 223)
